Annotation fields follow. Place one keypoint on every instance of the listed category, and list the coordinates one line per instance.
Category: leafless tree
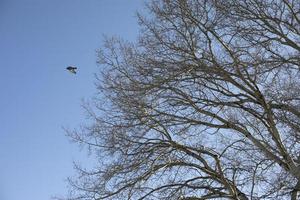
(205, 105)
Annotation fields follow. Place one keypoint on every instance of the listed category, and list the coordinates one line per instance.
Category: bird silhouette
(72, 69)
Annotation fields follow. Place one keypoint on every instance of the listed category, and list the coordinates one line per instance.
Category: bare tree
(205, 105)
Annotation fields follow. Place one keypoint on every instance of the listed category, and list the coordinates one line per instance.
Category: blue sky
(38, 39)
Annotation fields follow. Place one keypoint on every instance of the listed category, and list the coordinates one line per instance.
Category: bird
(72, 69)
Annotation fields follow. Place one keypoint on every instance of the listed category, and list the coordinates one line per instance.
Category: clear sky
(38, 39)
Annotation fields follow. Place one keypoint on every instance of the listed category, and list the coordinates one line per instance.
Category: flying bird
(72, 69)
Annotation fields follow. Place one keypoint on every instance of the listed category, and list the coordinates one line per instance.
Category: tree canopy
(204, 105)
